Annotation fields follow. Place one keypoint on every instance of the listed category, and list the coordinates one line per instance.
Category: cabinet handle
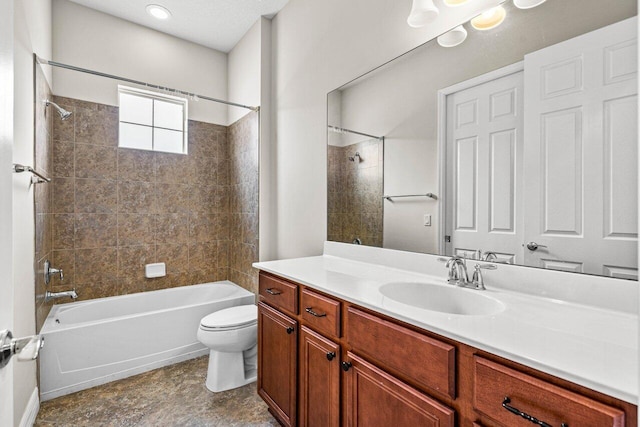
(330, 356)
(346, 366)
(313, 313)
(290, 330)
(505, 405)
(270, 291)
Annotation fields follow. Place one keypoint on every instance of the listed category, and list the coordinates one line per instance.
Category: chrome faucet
(458, 275)
(490, 256)
(457, 271)
(48, 295)
(477, 282)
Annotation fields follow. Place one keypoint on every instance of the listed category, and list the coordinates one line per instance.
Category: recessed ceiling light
(158, 12)
(489, 19)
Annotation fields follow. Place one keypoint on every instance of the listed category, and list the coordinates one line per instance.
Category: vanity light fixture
(158, 12)
(527, 4)
(422, 12)
(489, 19)
(454, 3)
(453, 37)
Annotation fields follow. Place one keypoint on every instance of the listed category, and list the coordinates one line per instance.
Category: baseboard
(31, 411)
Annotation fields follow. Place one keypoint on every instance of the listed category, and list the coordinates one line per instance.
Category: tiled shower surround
(355, 193)
(117, 209)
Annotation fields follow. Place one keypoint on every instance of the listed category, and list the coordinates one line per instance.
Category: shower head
(354, 157)
(64, 114)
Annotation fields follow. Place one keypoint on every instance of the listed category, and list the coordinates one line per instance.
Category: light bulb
(527, 4)
(489, 19)
(422, 12)
(454, 3)
(454, 37)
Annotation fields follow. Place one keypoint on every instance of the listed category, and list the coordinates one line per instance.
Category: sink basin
(444, 299)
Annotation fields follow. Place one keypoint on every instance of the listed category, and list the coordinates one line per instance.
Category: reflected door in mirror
(484, 161)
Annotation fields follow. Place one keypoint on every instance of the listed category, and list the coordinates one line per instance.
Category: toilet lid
(240, 315)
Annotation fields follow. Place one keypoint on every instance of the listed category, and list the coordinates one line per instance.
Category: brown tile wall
(117, 209)
(354, 202)
(243, 148)
(43, 162)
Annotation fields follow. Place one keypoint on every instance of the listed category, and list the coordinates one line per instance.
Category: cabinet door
(375, 398)
(277, 352)
(319, 380)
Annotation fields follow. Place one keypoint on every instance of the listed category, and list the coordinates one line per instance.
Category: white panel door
(581, 151)
(6, 137)
(484, 157)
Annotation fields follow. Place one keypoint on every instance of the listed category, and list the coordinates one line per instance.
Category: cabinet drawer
(428, 362)
(279, 293)
(494, 383)
(320, 312)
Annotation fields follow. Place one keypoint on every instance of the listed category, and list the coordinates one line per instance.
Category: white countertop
(591, 346)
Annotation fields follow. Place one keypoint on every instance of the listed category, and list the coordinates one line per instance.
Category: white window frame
(161, 97)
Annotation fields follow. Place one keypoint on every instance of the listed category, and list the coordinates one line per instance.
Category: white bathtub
(97, 341)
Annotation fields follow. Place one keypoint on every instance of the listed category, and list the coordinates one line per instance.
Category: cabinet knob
(330, 356)
(346, 366)
(290, 330)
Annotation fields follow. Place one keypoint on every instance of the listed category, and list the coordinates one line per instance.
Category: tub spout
(48, 295)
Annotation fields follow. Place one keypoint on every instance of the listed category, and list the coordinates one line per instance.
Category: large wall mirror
(519, 145)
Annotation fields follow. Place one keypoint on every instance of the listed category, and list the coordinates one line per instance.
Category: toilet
(231, 334)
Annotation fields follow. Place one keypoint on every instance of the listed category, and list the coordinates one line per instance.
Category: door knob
(533, 246)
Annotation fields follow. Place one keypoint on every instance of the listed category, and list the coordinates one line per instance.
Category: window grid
(153, 96)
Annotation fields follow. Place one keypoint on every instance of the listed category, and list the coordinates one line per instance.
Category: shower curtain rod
(137, 82)
(337, 129)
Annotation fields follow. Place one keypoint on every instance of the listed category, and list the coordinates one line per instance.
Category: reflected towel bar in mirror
(429, 195)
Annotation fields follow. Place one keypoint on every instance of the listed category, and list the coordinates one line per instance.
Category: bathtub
(93, 342)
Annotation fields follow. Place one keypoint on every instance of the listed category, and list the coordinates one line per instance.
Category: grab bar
(430, 195)
(37, 179)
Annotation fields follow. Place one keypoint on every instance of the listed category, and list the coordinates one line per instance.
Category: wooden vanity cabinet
(389, 373)
(277, 363)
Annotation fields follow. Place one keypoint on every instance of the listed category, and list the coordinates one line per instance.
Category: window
(152, 121)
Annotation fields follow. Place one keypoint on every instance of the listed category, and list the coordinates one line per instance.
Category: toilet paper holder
(10, 346)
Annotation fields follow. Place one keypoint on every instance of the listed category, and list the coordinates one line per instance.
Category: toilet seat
(230, 318)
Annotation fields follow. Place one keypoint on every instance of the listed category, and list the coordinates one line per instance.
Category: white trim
(31, 411)
(442, 133)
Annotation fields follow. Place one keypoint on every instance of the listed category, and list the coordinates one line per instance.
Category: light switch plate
(427, 220)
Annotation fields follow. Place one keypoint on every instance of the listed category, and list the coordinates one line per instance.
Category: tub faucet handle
(49, 271)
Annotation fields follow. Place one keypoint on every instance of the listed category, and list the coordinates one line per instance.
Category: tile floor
(170, 396)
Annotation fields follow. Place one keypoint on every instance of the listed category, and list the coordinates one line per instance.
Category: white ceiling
(218, 24)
